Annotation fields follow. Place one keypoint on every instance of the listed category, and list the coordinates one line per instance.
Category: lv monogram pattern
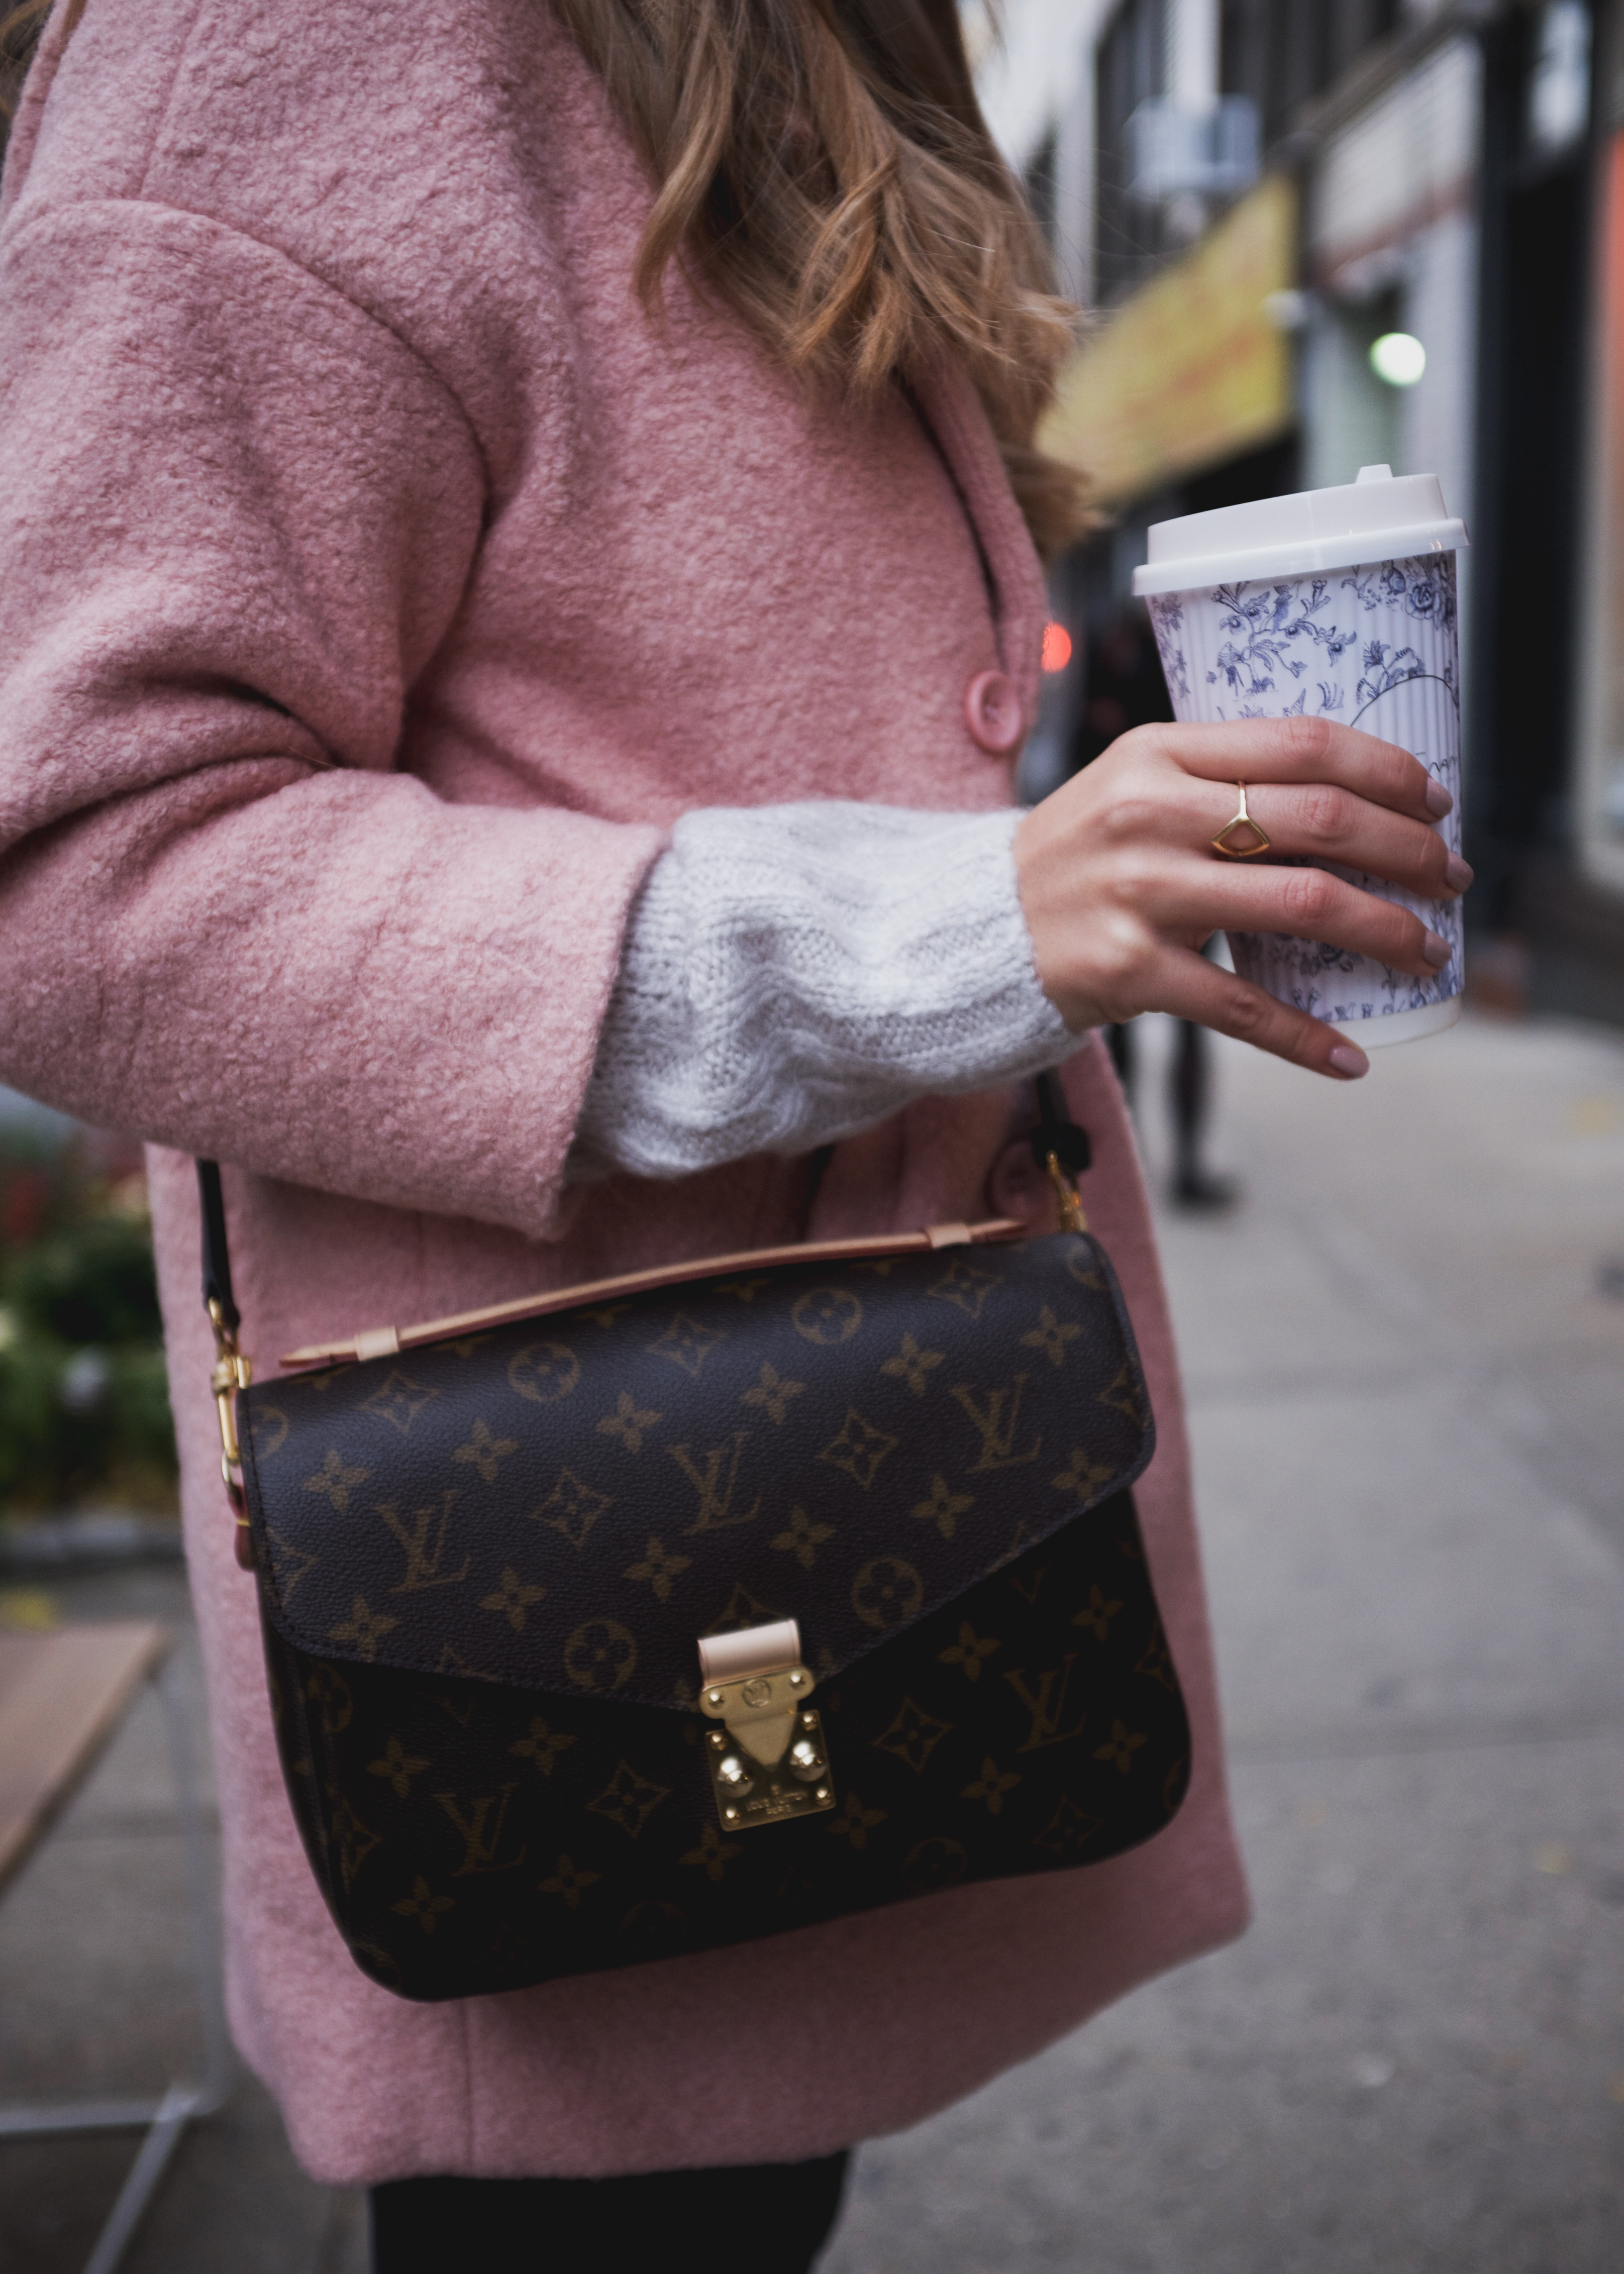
(484, 1566)
(473, 1838)
(569, 1502)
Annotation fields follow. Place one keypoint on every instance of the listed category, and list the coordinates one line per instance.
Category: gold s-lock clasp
(768, 1762)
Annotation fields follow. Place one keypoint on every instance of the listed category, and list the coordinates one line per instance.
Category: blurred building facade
(1315, 235)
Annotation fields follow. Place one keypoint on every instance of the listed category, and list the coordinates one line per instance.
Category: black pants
(777, 2216)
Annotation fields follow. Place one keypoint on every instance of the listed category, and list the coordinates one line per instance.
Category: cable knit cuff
(794, 972)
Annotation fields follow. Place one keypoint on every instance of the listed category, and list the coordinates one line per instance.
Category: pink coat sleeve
(236, 518)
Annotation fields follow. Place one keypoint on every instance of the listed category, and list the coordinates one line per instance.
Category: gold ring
(1243, 819)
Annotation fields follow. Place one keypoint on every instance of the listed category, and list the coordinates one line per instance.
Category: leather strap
(1056, 1137)
(216, 1256)
(1057, 1132)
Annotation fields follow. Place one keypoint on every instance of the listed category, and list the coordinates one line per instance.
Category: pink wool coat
(379, 584)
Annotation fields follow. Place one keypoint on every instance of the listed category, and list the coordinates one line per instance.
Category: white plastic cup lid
(1376, 518)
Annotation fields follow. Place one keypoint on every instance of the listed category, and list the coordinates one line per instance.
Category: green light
(1398, 358)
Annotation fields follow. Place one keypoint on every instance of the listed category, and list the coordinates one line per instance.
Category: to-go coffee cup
(1336, 603)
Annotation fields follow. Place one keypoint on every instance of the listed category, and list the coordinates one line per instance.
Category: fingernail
(1439, 800)
(1347, 1060)
(1436, 951)
(1459, 873)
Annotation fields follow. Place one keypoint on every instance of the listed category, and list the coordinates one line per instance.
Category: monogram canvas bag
(685, 1608)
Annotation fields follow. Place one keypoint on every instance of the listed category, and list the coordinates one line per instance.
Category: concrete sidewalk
(1407, 1387)
(96, 2000)
(1407, 1390)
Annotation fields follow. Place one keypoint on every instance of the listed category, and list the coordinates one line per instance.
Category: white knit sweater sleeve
(794, 972)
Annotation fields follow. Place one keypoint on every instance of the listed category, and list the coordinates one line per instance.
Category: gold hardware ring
(1242, 819)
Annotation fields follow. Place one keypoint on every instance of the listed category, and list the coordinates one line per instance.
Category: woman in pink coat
(519, 620)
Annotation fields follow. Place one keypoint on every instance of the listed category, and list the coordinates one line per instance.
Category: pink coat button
(992, 711)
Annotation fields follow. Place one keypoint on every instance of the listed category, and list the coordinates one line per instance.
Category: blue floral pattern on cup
(1376, 647)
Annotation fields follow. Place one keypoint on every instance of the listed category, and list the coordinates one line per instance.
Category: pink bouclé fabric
(380, 584)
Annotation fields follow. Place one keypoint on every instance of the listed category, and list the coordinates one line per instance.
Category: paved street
(1405, 1351)
(1410, 1435)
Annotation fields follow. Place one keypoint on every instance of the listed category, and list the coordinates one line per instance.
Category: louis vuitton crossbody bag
(689, 1607)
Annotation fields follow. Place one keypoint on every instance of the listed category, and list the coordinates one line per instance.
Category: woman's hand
(1122, 888)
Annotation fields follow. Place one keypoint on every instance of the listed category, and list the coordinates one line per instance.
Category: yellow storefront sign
(1191, 371)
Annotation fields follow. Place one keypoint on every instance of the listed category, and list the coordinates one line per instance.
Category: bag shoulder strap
(1057, 1145)
(232, 1371)
(216, 1254)
(1060, 1148)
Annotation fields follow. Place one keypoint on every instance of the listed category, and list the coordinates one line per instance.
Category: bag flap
(567, 1504)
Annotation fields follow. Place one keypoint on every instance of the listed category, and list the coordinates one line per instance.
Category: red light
(1056, 647)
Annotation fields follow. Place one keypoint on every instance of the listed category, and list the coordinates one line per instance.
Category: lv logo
(479, 1854)
(423, 1559)
(995, 1419)
(716, 1499)
(1047, 1706)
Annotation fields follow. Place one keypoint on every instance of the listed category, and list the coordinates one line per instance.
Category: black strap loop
(216, 1256)
(1057, 1132)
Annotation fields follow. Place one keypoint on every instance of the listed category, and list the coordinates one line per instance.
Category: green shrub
(84, 1399)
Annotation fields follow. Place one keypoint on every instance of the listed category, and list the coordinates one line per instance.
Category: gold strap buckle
(230, 1372)
(768, 1761)
(1072, 1216)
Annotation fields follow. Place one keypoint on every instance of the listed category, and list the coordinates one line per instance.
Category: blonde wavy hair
(823, 168)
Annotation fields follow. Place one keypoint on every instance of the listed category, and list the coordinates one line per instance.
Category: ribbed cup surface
(1376, 647)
